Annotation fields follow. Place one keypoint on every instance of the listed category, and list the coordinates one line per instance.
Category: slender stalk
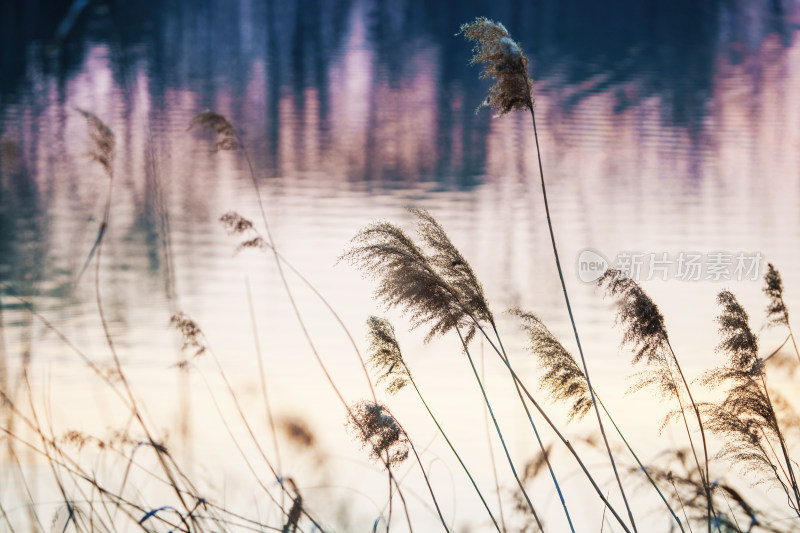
(707, 480)
(791, 477)
(552, 425)
(263, 379)
(572, 320)
(499, 433)
(794, 342)
(425, 476)
(641, 466)
(492, 460)
(302, 322)
(536, 432)
(450, 444)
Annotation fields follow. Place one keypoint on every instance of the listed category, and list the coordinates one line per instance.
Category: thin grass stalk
(572, 320)
(680, 501)
(491, 452)
(641, 466)
(555, 429)
(794, 342)
(499, 433)
(536, 432)
(279, 260)
(247, 462)
(104, 153)
(778, 349)
(791, 477)
(6, 519)
(706, 478)
(452, 448)
(75, 469)
(777, 475)
(263, 379)
(425, 476)
(297, 310)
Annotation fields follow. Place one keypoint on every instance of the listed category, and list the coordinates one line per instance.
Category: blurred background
(665, 127)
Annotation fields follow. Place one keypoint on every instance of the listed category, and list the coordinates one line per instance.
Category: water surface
(663, 130)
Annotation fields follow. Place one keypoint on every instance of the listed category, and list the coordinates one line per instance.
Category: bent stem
(572, 320)
(499, 433)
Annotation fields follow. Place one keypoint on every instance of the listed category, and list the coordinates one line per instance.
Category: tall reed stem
(706, 480)
(450, 444)
(499, 433)
(536, 432)
(572, 320)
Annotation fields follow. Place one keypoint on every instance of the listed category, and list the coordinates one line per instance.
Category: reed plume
(226, 134)
(103, 140)
(438, 290)
(378, 431)
(747, 416)
(504, 61)
(644, 331)
(777, 313)
(385, 355)
(563, 378)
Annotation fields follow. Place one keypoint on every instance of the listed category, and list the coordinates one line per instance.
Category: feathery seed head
(438, 290)
(104, 141)
(190, 332)
(504, 61)
(378, 430)
(563, 377)
(777, 313)
(643, 322)
(738, 340)
(218, 124)
(385, 355)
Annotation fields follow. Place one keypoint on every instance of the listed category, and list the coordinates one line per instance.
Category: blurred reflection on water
(665, 127)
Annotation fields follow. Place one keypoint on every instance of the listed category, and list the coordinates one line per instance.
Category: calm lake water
(665, 128)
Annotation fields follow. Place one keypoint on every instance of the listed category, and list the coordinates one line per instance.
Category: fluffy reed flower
(746, 417)
(643, 322)
(104, 141)
(452, 266)
(378, 430)
(504, 61)
(563, 377)
(237, 224)
(191, 333)
(385, 355)
(438, 290)
(226, 135)
(777, 313)
(644, 332)
(738, 340)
